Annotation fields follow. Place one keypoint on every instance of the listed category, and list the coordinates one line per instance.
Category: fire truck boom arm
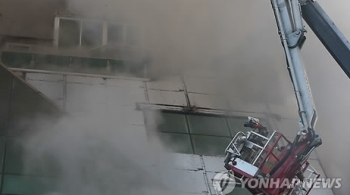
(291, 29)
(328, 33)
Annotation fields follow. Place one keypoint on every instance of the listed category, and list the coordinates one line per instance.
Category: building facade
(123, 126)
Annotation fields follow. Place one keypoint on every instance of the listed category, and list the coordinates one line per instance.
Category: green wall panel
(14, 158)
(209, 145)
(175, 123)
(69, 33)
(15, 184)
(207, 125)
(19, 105)
(179, 143)
(16, 59)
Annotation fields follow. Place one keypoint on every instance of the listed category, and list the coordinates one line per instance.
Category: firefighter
(254, 123)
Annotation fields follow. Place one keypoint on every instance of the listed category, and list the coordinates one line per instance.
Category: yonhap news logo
(316, 183)
(225, 183)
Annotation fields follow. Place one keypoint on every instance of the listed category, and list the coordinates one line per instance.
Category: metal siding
(180, 161)
(124, 96)
(77, 108)
(167, 97)
(203, 85)
(53, 90)
(213, 164)
(85, 80)
(173, 83)
(44, 77)
(210, 176)
(86, 93)
(125, 115)
(125, 83)
(190, 182)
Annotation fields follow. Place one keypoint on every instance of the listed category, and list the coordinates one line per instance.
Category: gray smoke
(205, 35)
(92, 154)
(240, 36)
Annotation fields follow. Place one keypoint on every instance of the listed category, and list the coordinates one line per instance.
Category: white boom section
(291, 30)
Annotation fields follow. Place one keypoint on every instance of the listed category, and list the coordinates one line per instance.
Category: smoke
(220, 36)
(95, 150)
(239, 37)
(92, 154)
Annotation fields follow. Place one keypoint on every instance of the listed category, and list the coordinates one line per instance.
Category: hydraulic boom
(260, 156)
(264, 155)
(291, 30)
(328, 33)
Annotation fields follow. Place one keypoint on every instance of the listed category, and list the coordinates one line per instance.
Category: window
(91, 35)
(193, 133)
(16, 59)
(20, 178)
(69, 33)
(74, 33)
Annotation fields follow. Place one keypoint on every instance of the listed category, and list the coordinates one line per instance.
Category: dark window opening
(69, 33)
(193, 133)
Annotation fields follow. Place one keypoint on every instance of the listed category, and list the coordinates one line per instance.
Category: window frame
(104, 39)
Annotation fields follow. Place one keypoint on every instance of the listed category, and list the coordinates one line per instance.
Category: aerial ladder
(264, 155)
